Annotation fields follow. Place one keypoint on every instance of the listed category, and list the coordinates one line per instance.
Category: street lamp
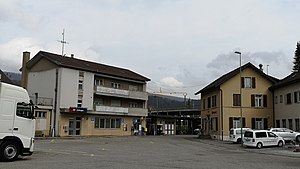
(241, 112)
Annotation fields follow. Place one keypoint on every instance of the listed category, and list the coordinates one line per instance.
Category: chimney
(72, 55)
(261, 67)
(24, 80)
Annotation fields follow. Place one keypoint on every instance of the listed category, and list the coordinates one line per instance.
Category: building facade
(88, 98)
(223, 105)
(287, 102)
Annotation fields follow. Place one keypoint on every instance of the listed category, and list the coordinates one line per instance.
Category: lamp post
(241, 112)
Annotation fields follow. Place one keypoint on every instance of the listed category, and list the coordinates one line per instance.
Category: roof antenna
(63, 42)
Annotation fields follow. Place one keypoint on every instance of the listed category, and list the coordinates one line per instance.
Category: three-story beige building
(222, 102)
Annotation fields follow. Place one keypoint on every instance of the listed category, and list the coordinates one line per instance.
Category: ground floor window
(259, 123)
(284, 123)
(278, 123)
(214, 124)
(101, 122)
(291, 124)
(234, 122)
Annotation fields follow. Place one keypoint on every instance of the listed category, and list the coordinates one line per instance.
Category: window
(289, 98)
(276, 100)
(248, 82)
(40, 114)
(214, 101)
(258, 100)
(98, 102)
(80, 85)
(115, 85)
(116, 103)
(291, 124)
(297, 124)
(208, 102)
(79, 101)
(281, 99)
(261, 134)
(103, 123)
(297, 97)
(99, 82)
(259, 123)
(234, 122)
(270, 134)
(24, 110)
(133, 88)
(81, 74)
(278, 123)
(214, 123)
(135, 105)
(284, 123)
(236, 100)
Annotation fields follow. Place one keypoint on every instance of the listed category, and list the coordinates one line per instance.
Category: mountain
(163, 101)
(14, 77)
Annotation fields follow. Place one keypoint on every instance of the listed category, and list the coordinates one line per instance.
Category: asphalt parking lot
(151, 152)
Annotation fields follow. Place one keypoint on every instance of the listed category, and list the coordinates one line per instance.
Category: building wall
(42, 82)
(224, 110)
(88, 126)
(284, 111)
(232, 86)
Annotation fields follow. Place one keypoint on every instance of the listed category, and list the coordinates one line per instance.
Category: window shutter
(265, 123)
(295, 97)
(244, 122)
(252, 100)
(265, 101)
(253, 82)
(243, 82)
(230, 123)
(253, 123)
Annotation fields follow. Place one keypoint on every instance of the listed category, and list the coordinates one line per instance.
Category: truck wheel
(280, 143)
(259, 145)
(9, 151)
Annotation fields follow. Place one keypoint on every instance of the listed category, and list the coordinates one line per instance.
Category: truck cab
(17, 124)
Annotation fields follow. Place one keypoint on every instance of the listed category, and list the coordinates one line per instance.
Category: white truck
(17, 123)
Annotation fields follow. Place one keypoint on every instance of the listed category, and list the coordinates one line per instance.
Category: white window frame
(259, 100)
(259, 123)
(247, 82)
(115, 85)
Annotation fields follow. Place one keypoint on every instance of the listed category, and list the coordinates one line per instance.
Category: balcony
(100, 90)
(120, 111)
(43, 101)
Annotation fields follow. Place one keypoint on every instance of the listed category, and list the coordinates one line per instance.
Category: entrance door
(74, 126)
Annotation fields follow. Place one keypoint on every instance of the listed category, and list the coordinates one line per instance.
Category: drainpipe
(55, 104)
(222, 113)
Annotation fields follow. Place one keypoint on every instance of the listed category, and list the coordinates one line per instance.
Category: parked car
(235, 134)
(261, 138)
(286, 134)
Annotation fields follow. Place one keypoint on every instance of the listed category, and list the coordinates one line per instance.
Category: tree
(296, 61)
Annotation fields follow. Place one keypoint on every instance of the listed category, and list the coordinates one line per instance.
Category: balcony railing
(121, 93)
(44, 101)
(120, 110)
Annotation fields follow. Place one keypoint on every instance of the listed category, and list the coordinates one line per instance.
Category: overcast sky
(181, 45)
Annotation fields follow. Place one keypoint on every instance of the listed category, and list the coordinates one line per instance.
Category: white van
(261, 138)
(235, 134)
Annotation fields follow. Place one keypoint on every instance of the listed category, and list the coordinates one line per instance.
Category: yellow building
(221, 101)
